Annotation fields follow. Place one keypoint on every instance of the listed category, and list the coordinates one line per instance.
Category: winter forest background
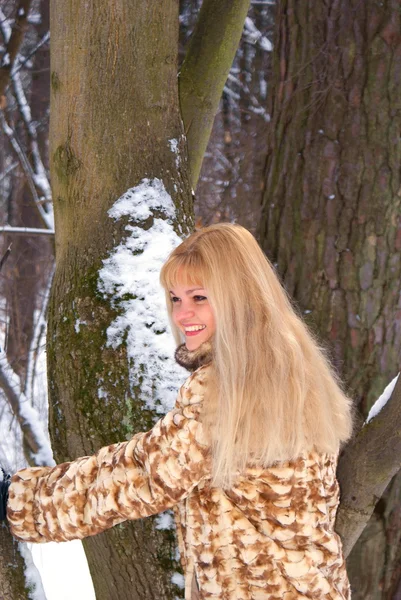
(304, 151)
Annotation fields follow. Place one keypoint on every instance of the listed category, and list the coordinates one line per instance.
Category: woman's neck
(193, 359)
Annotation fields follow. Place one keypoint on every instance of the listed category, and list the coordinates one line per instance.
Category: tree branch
(47, 217)
(204, 72)
(14, 42)
(25, 230)
(366, 467)
(37, 447)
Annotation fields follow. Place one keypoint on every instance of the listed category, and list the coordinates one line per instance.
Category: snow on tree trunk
(331, 212)
(121, 189)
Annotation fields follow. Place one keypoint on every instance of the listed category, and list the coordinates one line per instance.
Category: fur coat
(270, 537)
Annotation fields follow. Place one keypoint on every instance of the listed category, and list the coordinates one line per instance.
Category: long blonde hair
(275, 392)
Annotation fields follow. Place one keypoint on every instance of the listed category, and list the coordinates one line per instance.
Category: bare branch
(205, 69)
(39, 172)
(364, 472)
(38, 450)
(38, 334)
(46, 217)
(24, 59)
(26, 230)
(14, 42)
(5, 256)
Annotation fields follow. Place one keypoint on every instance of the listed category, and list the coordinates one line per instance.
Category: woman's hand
(4, 485)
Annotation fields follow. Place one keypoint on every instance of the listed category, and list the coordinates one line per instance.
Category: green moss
(55, 82)
(65, 162)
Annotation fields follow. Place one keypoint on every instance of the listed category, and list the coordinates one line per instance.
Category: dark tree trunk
(331, 212)
(12, 576)
(114, 107)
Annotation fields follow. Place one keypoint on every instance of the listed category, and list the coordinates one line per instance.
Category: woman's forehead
(184, 277)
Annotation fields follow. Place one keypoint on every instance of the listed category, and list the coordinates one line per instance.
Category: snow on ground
(64, 570)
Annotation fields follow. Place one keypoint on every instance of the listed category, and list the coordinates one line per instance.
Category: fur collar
(193, 359)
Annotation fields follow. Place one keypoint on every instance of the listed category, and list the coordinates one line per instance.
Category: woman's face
(192, 314)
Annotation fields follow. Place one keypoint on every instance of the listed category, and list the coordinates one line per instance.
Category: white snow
(54, 561)
(27, 230)
(178, 580)
(77, 325)
(165, 520)
(6, 60)
(173, 143)
(253, 35)
(382, 400)
(32, 576)
(130, 280)
(29, 414)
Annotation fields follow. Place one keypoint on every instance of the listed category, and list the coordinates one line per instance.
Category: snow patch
(164, 520)
(382, 400)
(178, 580)
(77, 325)
(173, 143)
(254, 36)
(129, 279)
(32, 576)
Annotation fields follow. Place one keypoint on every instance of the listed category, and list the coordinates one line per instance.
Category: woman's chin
(193, 344)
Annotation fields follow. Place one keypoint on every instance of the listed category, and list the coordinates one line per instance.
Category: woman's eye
(200, 298)
(174, 299)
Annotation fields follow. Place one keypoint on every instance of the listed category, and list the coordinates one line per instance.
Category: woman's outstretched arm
(129, 480)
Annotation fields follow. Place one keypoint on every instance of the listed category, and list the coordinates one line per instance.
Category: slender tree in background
(24, 92)
(331, 218)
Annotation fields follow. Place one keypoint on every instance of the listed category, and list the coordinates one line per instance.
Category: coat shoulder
(194, 388)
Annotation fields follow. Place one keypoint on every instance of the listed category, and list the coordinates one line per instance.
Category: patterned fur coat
(270, 537)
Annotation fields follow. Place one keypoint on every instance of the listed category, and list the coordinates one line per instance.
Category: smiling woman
(192, 314)
(247, 458)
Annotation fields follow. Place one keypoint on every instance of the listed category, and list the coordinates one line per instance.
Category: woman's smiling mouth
(194, 329)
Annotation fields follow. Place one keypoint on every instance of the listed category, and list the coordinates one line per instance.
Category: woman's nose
(185, 312)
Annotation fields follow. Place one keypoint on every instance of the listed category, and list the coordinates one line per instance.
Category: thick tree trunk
(331, 211)
(114, 108)
(12, 565)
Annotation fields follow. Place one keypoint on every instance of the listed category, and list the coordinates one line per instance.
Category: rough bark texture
(114, 106)
(331, 211)
(364, 473)
(204, 72)
(12, 577)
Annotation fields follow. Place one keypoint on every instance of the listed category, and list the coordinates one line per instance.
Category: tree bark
(204, 72)
(331, 210)
(364, 473)
(12, 565)
(114, 107)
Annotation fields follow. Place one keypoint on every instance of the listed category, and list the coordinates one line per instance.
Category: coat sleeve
(147, 475)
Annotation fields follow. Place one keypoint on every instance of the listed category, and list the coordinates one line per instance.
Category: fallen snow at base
(382, 400)
(129, 279)
(54, 561)
(46, 564)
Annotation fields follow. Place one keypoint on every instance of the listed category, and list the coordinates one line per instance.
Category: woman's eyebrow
(189, 291)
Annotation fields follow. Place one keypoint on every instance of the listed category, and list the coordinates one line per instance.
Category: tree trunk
(114, 108)
(331, 212)
(12, 565)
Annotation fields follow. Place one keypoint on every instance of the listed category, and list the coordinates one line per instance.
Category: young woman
(247, 458)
